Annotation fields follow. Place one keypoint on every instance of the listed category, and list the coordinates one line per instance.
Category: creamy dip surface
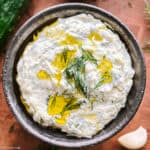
(75, 75)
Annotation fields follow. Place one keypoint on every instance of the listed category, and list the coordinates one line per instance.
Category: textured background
(131, 13)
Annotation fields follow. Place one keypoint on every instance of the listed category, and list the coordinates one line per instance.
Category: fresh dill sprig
(87, 56)
(64, 54)
(75, 72)
(72, 106)
(100, 82)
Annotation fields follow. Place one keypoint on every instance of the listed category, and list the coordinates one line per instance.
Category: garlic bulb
(135, 139)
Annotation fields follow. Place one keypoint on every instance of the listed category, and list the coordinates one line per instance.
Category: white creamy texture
(109, 97)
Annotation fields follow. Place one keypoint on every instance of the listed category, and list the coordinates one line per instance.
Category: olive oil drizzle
(74, 70)
(62, 106)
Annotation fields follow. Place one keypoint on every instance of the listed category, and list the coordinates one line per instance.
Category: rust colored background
(131, 13)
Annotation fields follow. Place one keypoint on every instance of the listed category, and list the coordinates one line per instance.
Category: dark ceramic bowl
(24, 35)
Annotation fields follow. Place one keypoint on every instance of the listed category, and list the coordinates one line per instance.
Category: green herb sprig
(64, 54)
(100, 82)
(87, 56)
(73, 106)
(76, 72)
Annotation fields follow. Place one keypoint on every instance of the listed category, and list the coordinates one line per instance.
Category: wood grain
(132, 14)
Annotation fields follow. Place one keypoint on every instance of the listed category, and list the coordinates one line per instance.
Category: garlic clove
(135, 139)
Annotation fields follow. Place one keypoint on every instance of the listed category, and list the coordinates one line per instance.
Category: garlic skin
(135, 139)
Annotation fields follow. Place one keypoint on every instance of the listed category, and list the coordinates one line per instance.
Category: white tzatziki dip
(75, 75)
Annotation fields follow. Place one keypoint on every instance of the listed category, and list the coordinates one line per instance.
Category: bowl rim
(12, 106)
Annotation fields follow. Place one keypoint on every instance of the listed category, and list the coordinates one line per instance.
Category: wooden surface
(131, 12)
